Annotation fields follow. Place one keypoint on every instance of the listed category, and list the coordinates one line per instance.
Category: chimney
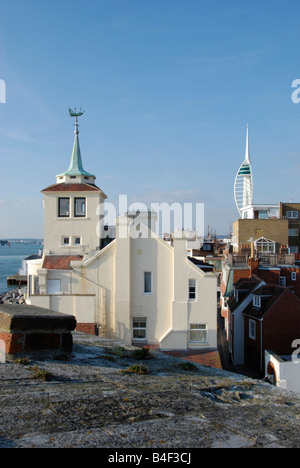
(253, 264)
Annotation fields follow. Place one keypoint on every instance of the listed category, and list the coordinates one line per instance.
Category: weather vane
(74, 113)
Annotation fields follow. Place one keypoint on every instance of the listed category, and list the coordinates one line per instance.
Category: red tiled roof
(72, 188)
(60, 262)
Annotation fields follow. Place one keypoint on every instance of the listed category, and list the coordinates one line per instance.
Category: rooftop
(60, 262)
(63, 187)
(76, 167)
(88, 401)
(269, 295)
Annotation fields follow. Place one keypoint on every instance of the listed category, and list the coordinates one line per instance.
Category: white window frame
(293, 276)
(252, 329)
(146, 291)
(257, 301)
(192, 290)
(264, 245)
(199, 329)
(139, 328)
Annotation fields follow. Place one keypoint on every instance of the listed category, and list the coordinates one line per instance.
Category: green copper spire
(76, 167)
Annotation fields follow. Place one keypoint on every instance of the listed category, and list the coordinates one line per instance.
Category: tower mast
(243, 185)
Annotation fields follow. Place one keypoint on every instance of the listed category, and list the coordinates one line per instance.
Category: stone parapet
(26, 329)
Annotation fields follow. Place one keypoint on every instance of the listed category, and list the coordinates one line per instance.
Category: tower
(73, 208)
(243, 185)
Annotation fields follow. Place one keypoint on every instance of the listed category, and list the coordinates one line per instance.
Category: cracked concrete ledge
(89, 402)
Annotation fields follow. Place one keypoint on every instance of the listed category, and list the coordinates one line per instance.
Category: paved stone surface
(89, 402)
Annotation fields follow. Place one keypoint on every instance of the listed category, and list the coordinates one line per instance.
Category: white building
(283, 371)
(136, 289)
(267, 211)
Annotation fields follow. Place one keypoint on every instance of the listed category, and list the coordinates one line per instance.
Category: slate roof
(247, 283)
(269, 295)
(245, 286)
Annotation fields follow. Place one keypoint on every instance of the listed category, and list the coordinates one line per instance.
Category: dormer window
(257, 301)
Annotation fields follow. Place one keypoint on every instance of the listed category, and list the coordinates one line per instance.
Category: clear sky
(168, 88)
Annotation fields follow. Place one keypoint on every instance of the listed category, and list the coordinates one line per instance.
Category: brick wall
(280, 327)
(27, 328)
(89, 328)
(282, 324)
(275, 229)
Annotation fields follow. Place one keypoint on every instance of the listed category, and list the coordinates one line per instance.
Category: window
(293, 276)
(257, 301)
(30, 291)
(77, 241)
(139, 329)
(293, 232)
(263, 214)
(63, 207)
(282, 281)
(53, 286)
(252, 329)
(79, 207)
(198, 333)
(192, 290)
(292, 214)
(66, 240)
(36, 285)
(264, 245)
(147, 282)
(294, 249)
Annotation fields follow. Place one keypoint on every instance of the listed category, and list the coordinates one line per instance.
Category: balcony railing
(238, 259)
(276, 259)
(265, 259)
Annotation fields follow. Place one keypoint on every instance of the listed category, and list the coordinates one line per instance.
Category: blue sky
(168, 87)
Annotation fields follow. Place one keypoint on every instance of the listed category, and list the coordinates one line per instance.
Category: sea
(11, 256)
